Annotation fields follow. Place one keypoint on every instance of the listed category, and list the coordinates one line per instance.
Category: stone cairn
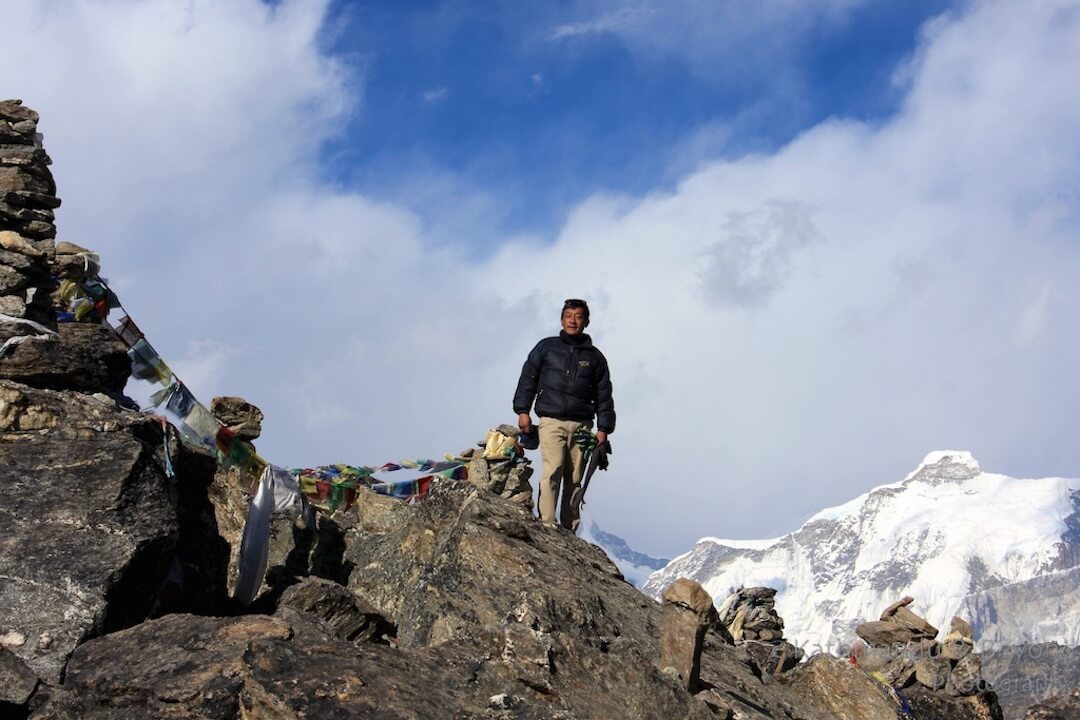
(901, 650)
(501, 467)
(750, 617)
(27, 229)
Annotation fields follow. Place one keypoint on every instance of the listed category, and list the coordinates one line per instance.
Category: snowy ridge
(635, 566)
(959, 540)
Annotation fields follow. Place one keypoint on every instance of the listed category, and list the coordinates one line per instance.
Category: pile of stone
(501, 467)
(27, 200)
(902, 650)
(749, 616)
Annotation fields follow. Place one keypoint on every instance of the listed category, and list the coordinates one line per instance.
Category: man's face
(573, 320)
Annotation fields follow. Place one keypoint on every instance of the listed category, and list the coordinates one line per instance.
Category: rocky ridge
(115, 577)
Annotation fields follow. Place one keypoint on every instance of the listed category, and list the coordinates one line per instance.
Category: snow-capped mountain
(634, 565)
(1002, 552)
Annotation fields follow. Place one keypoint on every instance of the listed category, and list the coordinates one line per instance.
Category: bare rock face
(89, 527)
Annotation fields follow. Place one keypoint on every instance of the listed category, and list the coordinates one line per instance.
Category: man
(568, 378)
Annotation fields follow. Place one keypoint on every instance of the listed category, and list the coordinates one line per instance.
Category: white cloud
(617, 21)
(785, 330)
(434, 95)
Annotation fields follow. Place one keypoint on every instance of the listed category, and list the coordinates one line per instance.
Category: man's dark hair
(574, 304)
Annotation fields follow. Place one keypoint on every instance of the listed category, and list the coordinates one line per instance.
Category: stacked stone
(27, 200)
(750, 614)
(750, 617)
(505, 475)
(904, 650)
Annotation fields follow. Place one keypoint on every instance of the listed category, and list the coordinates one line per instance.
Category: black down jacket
(569, 380)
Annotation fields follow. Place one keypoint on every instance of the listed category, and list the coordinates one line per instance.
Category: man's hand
(601, 437)
(524, 422)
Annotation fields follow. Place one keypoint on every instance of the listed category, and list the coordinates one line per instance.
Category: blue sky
(491, 95)
(820, 238)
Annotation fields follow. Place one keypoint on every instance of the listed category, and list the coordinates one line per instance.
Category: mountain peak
(942, 465)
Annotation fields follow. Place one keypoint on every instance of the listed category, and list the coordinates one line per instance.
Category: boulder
(688, 611)
(89, 526)
(960, 629)
(240, 416)
(922, 629)
(772, 658)
(966, 677)
(928, 704)
(899, 672)
(834, 688)
(886, 633)
(83, 357)
(932, 672)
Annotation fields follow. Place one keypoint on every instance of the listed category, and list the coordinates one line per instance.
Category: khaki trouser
(564, 464)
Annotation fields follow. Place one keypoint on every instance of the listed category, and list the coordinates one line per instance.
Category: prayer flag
(128, 331)
(181, 401)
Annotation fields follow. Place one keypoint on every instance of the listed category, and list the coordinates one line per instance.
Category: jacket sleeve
(605, 403)
(527, 383)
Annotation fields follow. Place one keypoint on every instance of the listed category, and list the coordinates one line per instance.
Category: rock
(966, 677)
(86, 357)
(69, 248)
(506, 477)
(886, 633)
(32, 200)
(17, 684)
(773, 658)
(899, 672)
(833, 688)
(240, 416)
(961, 629)
(926, 703)
(690, 595)
(15, 179)
(904, 616)
(13, 305)
(76, 267)
(955, 649)
(750, 614)
(14, 111)
(688, 611)
(902, 602)
(89, 527)
(13, 242)
(932, 672)
(343, 614)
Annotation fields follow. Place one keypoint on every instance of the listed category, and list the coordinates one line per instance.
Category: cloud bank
(784, 330)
